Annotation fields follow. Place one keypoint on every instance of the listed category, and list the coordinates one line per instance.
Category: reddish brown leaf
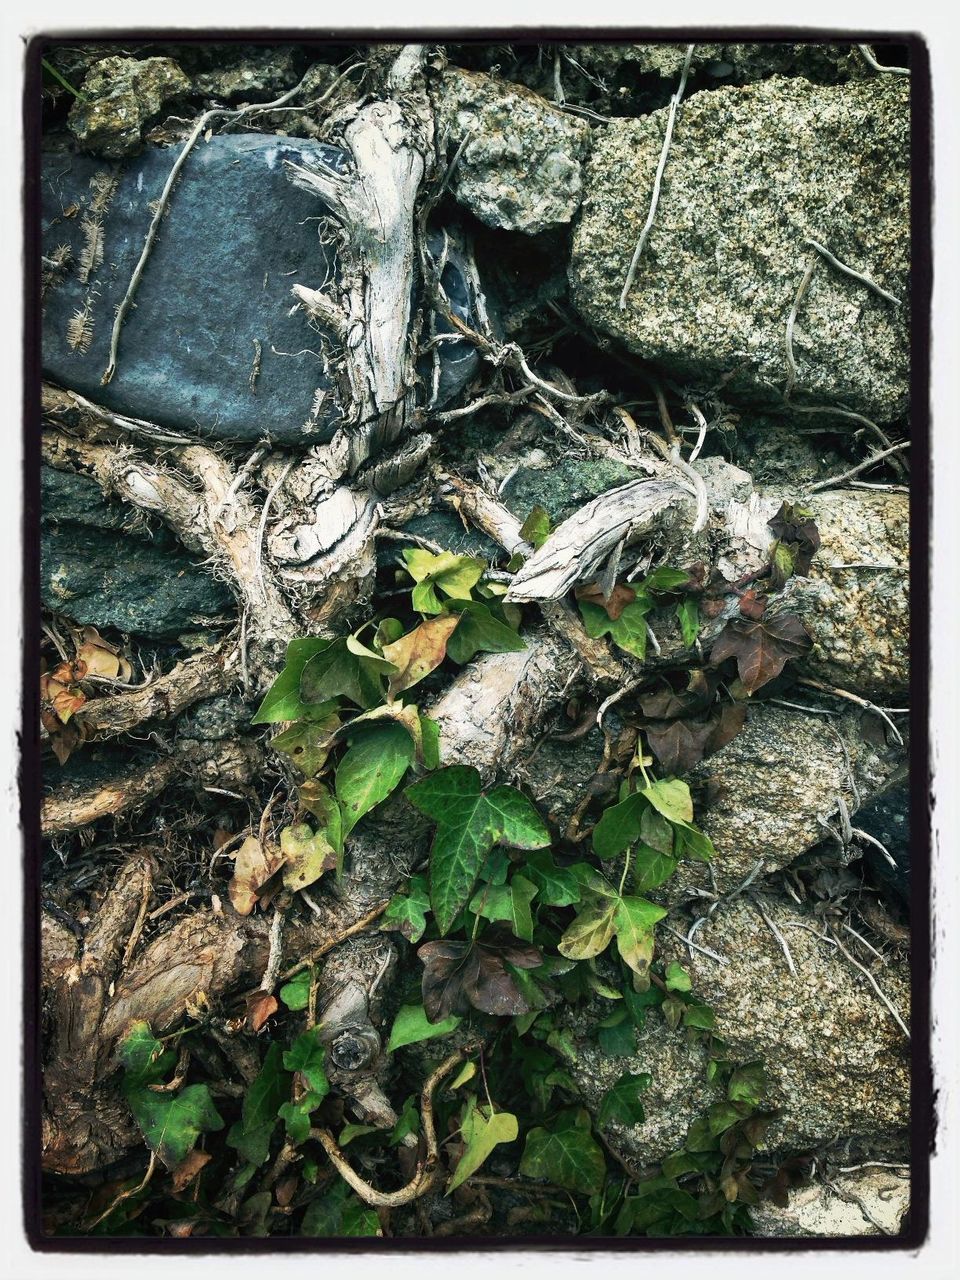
(457, 975)
(752, 606)
(419, 652)
(761, 649)
(260, 1006)
(667, 705)
(731, 720)
(679, 744)
(252, 869)
(188, 1168)
(620, 597)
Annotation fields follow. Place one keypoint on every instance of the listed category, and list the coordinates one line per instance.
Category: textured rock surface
(121, 96)
(859, 616)
(819, 1211)
(753, 172)
(96, 568)
(722, 63)
(762, 795)
(838, 1064)
(217, 284)
(520, 169)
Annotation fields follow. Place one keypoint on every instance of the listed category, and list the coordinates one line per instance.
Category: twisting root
(425, 1176)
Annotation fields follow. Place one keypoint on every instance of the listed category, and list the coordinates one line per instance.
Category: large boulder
(210, 346)
(837, 1063)
(118, 98)
(520, 168)
(753, 173)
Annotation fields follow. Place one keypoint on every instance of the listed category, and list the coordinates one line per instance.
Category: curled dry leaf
(251, 871)
(261, 1005)
(419, 652)
(188, 1168)
(761, 649)
(457, 975)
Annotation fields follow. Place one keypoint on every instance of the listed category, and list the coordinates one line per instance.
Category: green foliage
(446, 573)
(469, 823)
(295, 994)
(171, 1122)
(411, 1025)
(622, 1102)
(372, 767)
(565, 1153)
(408, 911)
(261, 1108)
(283, 701)
(338, 1212)
(628, 631)
(479, 631)
(481, 1131)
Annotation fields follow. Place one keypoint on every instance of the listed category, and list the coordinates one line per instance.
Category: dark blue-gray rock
(887, 819)
(210, 346)
(99, 569)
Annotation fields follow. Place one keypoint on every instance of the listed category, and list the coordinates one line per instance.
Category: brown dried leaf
(679, 744)
(796, 528)
(752, 606)
(665, 704)
(188, 1168)
(457, 975)
(419, 652)
(261, 1005)
(620, 597)
(251, 871)
(99, 660)
(762, 649)
(731, 720)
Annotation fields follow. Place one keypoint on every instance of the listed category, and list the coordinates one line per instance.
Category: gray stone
(119, 97)
(563, 487)
(859, 616)
(866, 1202)
(253, 70)
(520, 169)
(752, 174)
(237, 235)
(98, 568)
(837, 1063)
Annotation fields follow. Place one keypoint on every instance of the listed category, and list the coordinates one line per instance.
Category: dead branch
(202, 675)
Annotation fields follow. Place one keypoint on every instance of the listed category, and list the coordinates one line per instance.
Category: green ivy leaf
(676, 977)
(171, 1123)
(565, 1154)
(688, 613)
(261, 1108)
(651, 869)
(306, 1055)
(430, 740)
(339, 1213)
(665, 579)
(622, 1102)
(671, 797)
(409, 910)
(558, 886)
(618, 1041)
(479, 631)
(747, 1084)
(411, 1025)
(619, 827)
(590, 933)
(480, 1135)
(452, 574)
(371, 769)
(469, 823)
(308, 743)
(282, 701)
(508, 902)
(295, 994)
(699, 1016)
(337, 672)
(634, 920)
(536, 528)
(629, 631)
(308, 854)
(296, 1116)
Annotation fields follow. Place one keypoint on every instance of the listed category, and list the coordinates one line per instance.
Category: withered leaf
(419, 652)
(679, 744)
(620, 597)
(795, 527)
(188, 1168)
(251, 871)
(762, 649)
(457, 975)
(665, 704)
(752, 606)
(261, 1005)
(726, 726)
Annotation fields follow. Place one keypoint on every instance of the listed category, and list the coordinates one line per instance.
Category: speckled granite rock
(119, 97)
(722, 63)
(838, 1064)
(859, 616)
(752, 174)
(520, 170)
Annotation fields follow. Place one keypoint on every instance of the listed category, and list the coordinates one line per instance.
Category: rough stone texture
(779, 458)
(97, 569)
(122, 96)
(838, 1064)
(753, 172)
(520, 171)
(817, 1210)
(262, 72)
(564, 487)
(722, 63)
(237, 234)
(887, 819)
(761, 796)
(859, 617)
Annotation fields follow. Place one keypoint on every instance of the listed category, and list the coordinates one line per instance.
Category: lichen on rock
(119, 97)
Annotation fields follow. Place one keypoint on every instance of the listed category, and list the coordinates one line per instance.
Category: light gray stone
(753, 173)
